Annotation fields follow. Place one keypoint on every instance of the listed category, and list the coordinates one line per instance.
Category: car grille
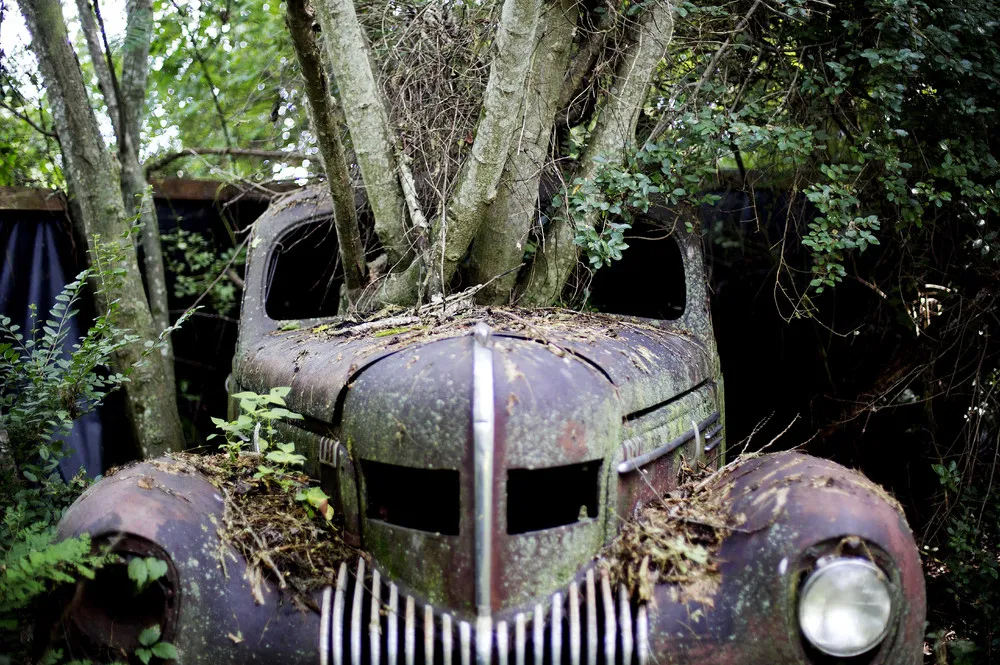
(367, 620)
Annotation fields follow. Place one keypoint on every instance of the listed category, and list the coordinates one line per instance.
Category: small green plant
(254, 427)
(152, 646)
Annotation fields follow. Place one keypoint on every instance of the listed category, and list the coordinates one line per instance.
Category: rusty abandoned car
(483, 461)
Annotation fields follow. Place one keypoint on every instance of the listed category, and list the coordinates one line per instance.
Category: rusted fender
(205, 606)
(793, 509)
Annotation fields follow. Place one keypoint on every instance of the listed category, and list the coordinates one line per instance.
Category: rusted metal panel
(167, 508)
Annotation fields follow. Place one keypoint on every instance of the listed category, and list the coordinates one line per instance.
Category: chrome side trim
(338, 616)
(482, 436)
(634, 463)
(709, 435)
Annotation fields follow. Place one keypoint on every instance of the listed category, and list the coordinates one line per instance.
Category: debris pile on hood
(282, 539)
(675, 540)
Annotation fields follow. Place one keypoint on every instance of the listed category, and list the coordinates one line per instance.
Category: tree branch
(499, 245)
(352, 251)
(477, 184)
(279, 155)
(349, 61)
(32, 123)
(613, 135)
(208, 76)
(98, 58)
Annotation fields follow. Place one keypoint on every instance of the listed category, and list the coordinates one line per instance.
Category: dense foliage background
(842, 157)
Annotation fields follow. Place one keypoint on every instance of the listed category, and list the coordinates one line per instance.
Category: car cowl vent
(366, 620)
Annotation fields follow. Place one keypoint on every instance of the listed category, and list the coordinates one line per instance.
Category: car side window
(648, 280)
(304, 274)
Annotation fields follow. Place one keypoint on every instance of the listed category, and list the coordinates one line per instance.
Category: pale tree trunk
(373, 141)
(477, 184)
(613, 136)
(125, 106)
(325, 124)
(499, 246)
(105, 78)
(93, 180)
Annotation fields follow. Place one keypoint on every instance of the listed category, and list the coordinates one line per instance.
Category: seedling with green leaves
(152, 646)
(255, 425)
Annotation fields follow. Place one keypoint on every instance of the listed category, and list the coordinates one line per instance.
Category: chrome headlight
(845, 607)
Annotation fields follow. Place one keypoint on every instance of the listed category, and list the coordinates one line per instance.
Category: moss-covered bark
(500, 242)
(125, 101)
(480, 177)
(350, 63)
(94, 184)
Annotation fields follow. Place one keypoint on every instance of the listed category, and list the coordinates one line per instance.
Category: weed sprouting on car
(275, 516)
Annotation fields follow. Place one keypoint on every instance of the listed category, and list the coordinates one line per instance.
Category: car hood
(648, 363)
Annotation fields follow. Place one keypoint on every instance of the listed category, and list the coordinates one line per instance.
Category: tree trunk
(327, 128)
(613, 136)
(93, 181)
(499, 245)
(126, 103)
(350, 61)
(477, 184)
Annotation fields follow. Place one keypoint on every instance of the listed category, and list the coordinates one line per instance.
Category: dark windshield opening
(304, 275)
(648, 280)
(547, 498)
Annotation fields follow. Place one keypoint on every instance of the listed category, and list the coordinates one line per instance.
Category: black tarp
(38, 260)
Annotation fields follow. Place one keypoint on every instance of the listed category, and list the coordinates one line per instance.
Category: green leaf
(150, 636)
(144, 655)
(138, 573)
(165, 650)
(155, 568)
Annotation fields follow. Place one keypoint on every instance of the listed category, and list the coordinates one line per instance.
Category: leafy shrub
(44, 388)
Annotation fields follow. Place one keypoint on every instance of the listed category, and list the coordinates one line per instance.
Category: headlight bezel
(830, 565)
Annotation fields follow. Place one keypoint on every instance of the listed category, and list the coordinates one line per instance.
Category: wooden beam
(170, 189)
(28, 198)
